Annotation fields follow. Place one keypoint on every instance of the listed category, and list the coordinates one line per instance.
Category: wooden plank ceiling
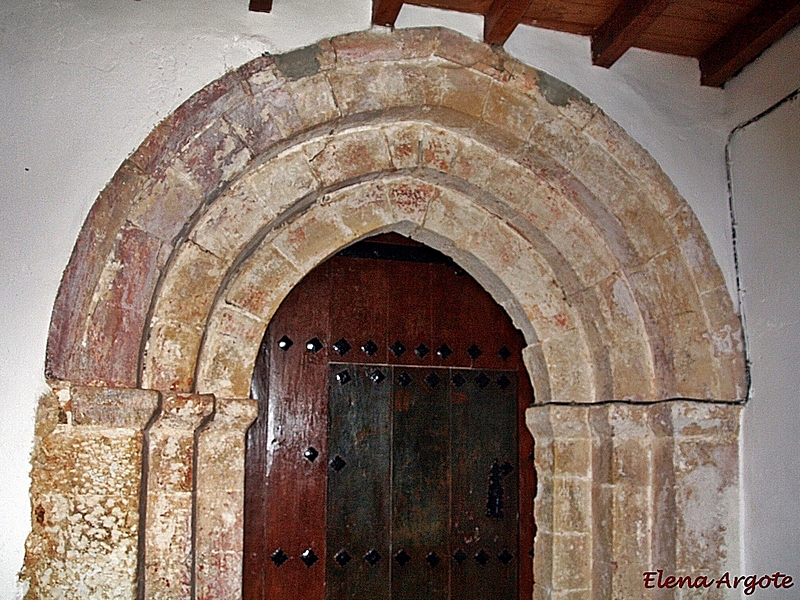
(724, 35)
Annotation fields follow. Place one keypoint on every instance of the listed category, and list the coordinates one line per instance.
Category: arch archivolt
(538, 230)
(565, 220)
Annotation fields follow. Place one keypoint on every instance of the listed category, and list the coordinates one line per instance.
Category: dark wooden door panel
(359, 507)
(420, 483)
(484, 471)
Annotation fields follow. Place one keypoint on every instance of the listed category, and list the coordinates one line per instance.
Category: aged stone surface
(269, 170)
(634, 488)
(86, 481)
(117, 314)
(219, 504)
(95, 242)
(168, 553)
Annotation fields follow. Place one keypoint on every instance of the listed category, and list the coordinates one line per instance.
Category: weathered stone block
(252, 203)
(187, 290)
(572, 561)
(447, 212)
(213, 158)
(263, 281)
(510, 111)
(165, 204)
(373, 47)
(463, 51)
(170, 483)
(572, 457)
(696, 250)
(556, 138)
(348, 155)
(364, 208)
(119, 307)
(86, 480)
(229, 353)
(115, 407)
(572, 507)
(192, 117)
(93, 247)
(312, 237)
(570, 381)
(635, 159)
(379, 86)
(171, 355)
(314, 102)
(460, 90)
(409, 199)
(403, 140)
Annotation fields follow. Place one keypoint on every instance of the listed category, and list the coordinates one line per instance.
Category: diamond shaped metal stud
(343, 377)
(482, 557)
(503, 382)
(311, 454)
(460, 556)
(397, 348)
(432, 380)
(504, 353)
(458, 380)
(402, 558)
(342, 347)
(309, 557)
(444, 351)
(377, 376)
(482, 380)
(372, 557)
(338, 463)
(342, 557)
(505, 556)
(422, 351)
(285, 343)
(404, 379)
(369, 348)
(433, 559)
(279, 557)
(474, 352)
(314, 345)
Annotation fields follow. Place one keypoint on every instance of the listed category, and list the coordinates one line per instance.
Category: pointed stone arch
(565, 220)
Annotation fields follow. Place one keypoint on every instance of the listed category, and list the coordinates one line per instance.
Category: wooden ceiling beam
(502, 18)
(384, 12)
(261, 5)
(760, 28)
(621, 30)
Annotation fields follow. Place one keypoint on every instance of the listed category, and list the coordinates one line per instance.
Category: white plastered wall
(82, 83)
(765, 175)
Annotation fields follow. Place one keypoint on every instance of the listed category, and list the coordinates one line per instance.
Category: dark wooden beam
(762, 26)
(384, 12)
(502, 18)
(621, 30)
(261, 5)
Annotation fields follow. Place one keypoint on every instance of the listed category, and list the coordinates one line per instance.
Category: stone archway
(634, 347)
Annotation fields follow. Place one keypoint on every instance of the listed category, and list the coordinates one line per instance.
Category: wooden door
(390, 459)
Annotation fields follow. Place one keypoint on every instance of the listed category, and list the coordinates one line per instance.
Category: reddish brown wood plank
(502, 18)
(475, 7)
(384, 12)
(762, 26)
(613, 38)
(261, 5)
